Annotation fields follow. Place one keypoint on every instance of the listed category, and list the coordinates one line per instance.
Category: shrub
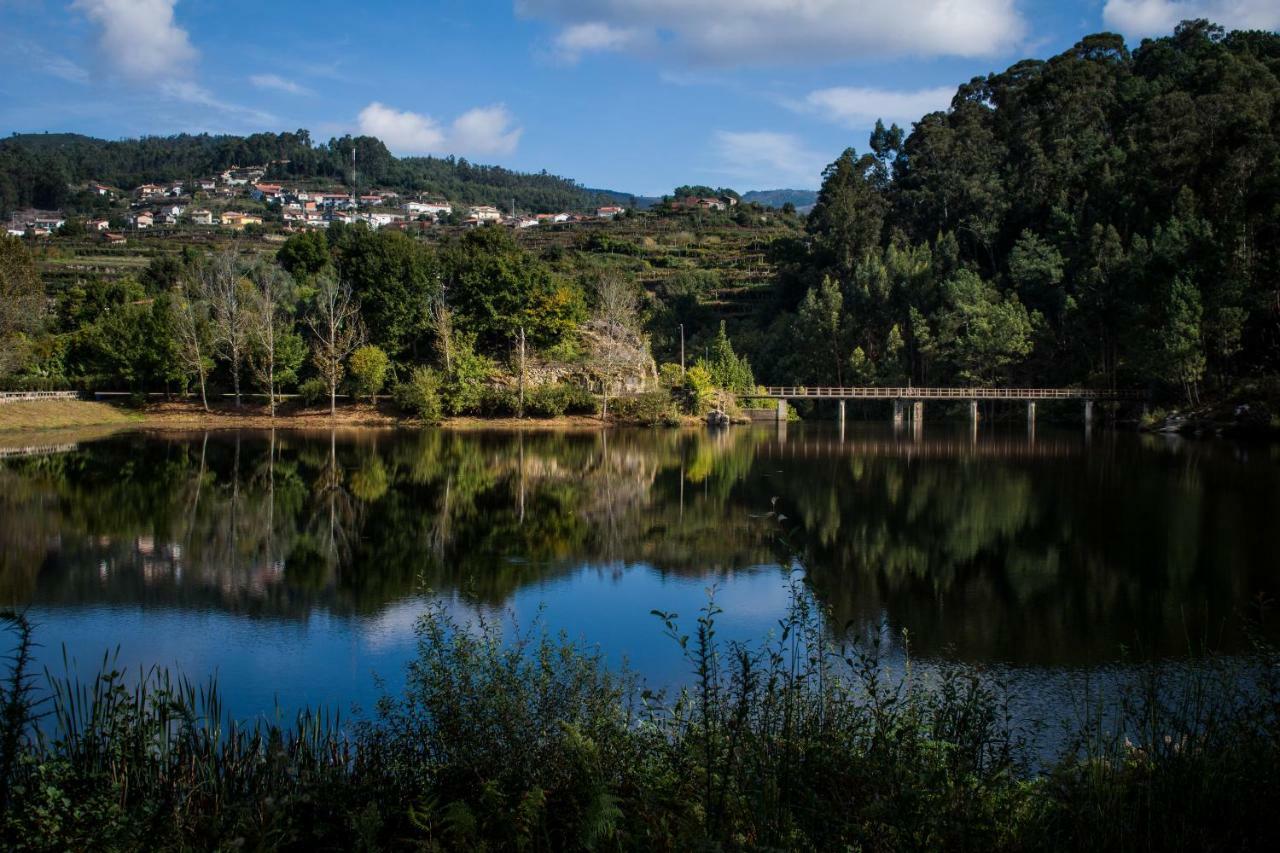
(420, 395)
(368, 368)
(554, 400)
(546, 401)
(493, 401)
(313, 392)
(652, 408)
(697, 390)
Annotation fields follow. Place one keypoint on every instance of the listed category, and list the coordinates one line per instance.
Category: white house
(201, 217)
(431, 208)
(609, 211)
(484, 213)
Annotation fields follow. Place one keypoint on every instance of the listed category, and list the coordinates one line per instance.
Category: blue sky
(635, 95)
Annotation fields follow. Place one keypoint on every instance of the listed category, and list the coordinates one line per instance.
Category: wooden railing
(801, 392)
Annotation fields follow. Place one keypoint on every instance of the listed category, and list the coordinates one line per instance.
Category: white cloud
(595, 37)
(193, 93)
(139, 39)
(275, 82)
(767, 159)
(483, 130)
(859, 107)
(753, 32)
(1159, 17)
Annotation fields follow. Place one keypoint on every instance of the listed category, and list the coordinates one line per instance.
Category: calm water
(294, 565)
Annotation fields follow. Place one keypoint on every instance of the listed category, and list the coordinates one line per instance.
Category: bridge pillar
(973, 411)
(782, 411)
(1031, 419)
(898, 413)
(840, 413)
(1088, 414)
(917, 412)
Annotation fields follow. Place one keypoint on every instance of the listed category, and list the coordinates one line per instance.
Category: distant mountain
(39, 170)
(802, 199)
(639, 202)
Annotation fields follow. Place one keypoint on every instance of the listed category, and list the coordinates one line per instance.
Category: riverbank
(1250, 410)
(29, 415)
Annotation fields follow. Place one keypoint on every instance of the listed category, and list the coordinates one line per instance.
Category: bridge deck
(799, 392)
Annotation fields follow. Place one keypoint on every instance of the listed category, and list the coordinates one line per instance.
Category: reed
(510, 738)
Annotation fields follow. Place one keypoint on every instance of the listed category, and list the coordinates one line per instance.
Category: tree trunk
(204, 397)
(520, 406)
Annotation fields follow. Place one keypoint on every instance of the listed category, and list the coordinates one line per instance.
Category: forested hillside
(1105, 217)
(37, 170)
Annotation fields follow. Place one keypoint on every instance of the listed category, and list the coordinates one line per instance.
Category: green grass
(59, 414)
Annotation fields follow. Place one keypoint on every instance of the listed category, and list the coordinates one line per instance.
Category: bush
(493, 401)
(697, 391)
(652, 408)
(313, 392)
(552, 401)
(546, 401)
(368, 368)
(420, 395)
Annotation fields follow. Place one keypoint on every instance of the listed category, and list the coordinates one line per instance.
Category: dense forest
(1105, 218)
(37, 170)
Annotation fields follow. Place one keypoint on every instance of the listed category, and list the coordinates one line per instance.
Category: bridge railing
(797, 392)
(19, 396)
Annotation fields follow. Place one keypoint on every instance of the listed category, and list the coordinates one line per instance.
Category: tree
(189, 320)
(397, 280)
(729, 370)
(848, 218)
(304, 255)
(368, 366)
(497, 288)
(22, 300)
(1181, 348)
(617, 346)
(819, 325)
(271, 321)
(221, 285)
(985, 333)
(336, 328)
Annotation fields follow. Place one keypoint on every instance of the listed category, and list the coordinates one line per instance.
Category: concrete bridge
(909, 401)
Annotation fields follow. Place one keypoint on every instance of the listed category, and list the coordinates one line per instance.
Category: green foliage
(304, 255)
(697, 390)
(729, 370)
(419, 395)
(551, 401)
(313, 391)
(508, 739)
(497, 289)
(396, 279)
(651, 408)
(368, 368)
(985, 333)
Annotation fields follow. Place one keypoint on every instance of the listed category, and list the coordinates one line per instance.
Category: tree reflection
(996, 549)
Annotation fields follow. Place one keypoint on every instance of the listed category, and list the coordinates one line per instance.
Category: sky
(633, 95)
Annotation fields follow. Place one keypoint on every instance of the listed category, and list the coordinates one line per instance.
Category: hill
(802, 199)
(39, 170)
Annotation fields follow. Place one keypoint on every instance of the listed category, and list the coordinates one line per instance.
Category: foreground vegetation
(528, 741)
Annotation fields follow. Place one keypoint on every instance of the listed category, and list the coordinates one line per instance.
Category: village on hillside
(240, 197)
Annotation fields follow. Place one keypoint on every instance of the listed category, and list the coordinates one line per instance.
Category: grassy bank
(529, 742)
(60, 414)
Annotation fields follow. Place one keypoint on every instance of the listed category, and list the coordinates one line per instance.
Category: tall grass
(519, 739)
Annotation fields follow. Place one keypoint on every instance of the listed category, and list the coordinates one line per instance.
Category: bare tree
(190, 320)
(334, 320)
(442, 321)
(224, 289)
(269, 321)
(619, 350)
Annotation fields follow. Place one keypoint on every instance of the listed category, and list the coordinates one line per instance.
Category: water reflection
(1037, 549)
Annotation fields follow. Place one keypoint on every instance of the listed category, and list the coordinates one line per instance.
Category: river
(293, 565)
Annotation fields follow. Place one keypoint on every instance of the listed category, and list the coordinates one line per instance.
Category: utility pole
(682, 350)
